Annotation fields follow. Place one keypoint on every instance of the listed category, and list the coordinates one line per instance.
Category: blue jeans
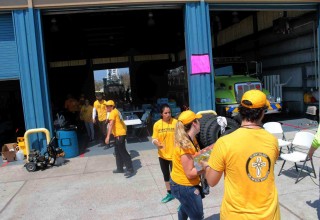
(90, 130)
(190, 199)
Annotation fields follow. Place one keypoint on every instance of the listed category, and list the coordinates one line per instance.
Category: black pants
(103, 130)
(122, 155)
(166, 167)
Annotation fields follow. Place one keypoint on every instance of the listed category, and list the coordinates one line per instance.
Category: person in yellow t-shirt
(119, 130)
(163, 138)
(315, 143)
(100, 111)
(72, 107)
(246, 157)
(86, 117)
(185, 177)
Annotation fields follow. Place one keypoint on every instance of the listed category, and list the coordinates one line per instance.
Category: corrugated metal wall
(9, 68)
(198, 41)
(34, 86)
(291, 56)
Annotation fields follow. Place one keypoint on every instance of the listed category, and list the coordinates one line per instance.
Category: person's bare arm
(111, 123)
(311, 151)
(213, 177)
(188, 166)
(157, 143)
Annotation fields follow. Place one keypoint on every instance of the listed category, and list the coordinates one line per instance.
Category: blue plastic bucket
(68, 141)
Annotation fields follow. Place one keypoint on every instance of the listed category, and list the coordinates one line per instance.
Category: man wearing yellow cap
(119, 130)
(247, 157)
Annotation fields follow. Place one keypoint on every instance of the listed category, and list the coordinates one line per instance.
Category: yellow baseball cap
(254, 99)
(188, 116)
(110, 102)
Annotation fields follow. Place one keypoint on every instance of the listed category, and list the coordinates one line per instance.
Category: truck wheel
(205, 122)
(238, 119)
(31, 167)
(204, 137)
(214, 131)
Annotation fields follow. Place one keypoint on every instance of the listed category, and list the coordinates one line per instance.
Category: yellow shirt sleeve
(316, 140)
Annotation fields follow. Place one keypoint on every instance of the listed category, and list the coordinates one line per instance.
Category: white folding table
(130, 122)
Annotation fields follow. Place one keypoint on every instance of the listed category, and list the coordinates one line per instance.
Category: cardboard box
(9, 151)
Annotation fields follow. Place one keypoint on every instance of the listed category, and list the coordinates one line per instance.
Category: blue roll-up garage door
(9, 67)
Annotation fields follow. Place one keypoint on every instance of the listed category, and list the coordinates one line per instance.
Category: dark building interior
(88, 35)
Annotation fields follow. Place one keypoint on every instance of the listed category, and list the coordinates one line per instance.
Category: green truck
(233, 77)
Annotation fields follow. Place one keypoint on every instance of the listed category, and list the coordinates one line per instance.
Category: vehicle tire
(31, 167)
(205, 122)
(238, 119)
(231, 127)
(205, 118)
(214, 131)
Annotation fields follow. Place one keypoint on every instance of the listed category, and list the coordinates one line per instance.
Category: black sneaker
(118, 171)
(129, 173)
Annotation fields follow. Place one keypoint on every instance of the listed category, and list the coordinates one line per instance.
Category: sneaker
(106, 147)
(168, 198)
(129, 173)
(118, 171)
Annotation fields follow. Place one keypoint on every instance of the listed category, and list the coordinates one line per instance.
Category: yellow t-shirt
(247, 158)
(316, 139)
(86, 113)
(177, 174)
(164, 133)
(101, 107)
(119, 127)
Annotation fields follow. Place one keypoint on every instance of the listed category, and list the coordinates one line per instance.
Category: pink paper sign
(200, 64)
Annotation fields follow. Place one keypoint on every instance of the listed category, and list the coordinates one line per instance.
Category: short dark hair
(250, 114)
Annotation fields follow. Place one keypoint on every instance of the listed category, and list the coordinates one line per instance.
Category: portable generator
(36, 160)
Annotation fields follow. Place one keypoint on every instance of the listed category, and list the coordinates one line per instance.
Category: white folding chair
(275, 128)
(302, 140)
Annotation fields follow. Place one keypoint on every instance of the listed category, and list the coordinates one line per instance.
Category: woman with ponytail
(185, 178)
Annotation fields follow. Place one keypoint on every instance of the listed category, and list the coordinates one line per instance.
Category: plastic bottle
(19, 154)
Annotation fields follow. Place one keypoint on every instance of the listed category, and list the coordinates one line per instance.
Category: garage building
(51, 48)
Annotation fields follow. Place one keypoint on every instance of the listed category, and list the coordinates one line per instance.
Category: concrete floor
(86, 188)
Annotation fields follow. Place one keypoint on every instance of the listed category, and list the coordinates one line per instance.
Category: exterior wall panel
(9, 68)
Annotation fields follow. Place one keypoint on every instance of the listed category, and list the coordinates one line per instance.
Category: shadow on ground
(213, 217)
(315, 204)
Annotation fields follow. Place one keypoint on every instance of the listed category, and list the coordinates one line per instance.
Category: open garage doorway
(282, 42)
(146, 41)
(115, 84)
(12, 123)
